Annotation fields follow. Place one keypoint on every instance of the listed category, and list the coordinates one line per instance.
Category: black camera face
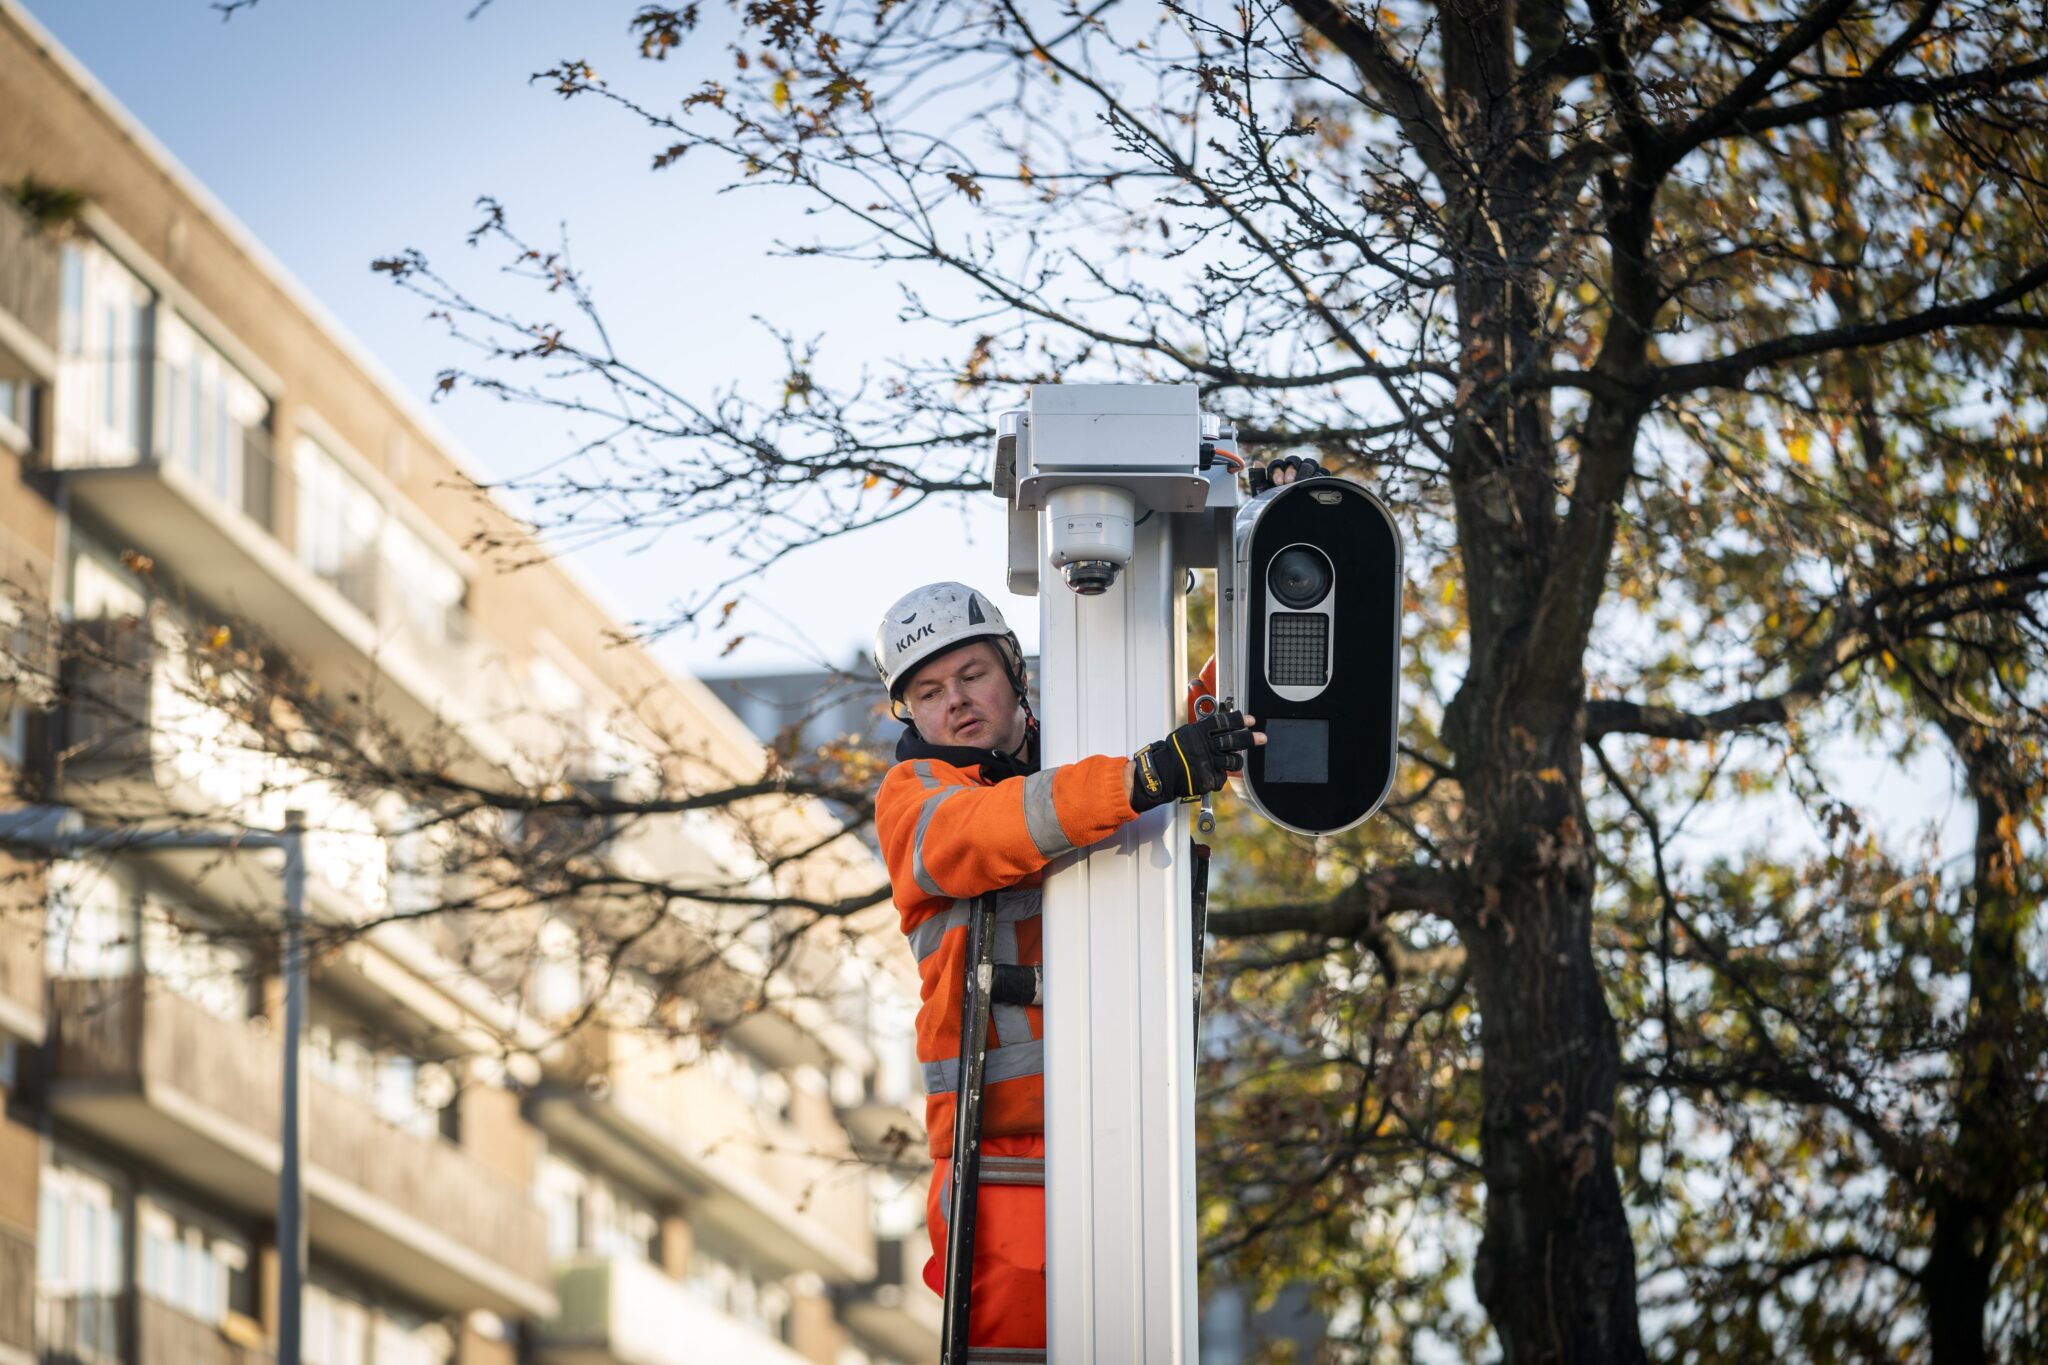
(1300, 577)
(1318, 622)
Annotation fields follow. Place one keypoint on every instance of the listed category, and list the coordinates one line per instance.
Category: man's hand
(1194, 759)
(1284, 470)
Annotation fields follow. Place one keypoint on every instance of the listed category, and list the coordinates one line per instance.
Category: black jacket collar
(994, 766)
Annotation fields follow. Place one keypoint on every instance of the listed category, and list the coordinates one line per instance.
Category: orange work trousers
(1008, 1305)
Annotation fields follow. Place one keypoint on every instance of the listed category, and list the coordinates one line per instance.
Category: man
(967, 810)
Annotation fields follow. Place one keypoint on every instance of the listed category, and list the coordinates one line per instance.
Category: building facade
(507, 1160)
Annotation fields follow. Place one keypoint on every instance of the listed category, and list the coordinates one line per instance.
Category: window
(24, 675)
(71, 304)
(763, 1087)
(403, 1338)
(556, 991)
(374, 560)
(431, 605)
(580, 719)
(106, 331)
(338, 525)
(347, 1326)
(101, 589)
(337, 1327)
(415, 864)
(187, 954)
(406, 1090)
(559, 1190)
(210, 418)
(589, 1214)
(733, 1288)
(81, 1249)
(190, 1263)
(91, 926)
(626, 1225)
(17, 413)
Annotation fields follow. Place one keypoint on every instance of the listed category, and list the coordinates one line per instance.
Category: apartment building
(506, 1160)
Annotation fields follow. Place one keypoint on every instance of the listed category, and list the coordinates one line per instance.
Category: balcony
(622, 1311)
(790, 1192)
(145, 739)
(198, 1096)
(93, 1329)
(897, 1311)
(29, 264)
(218, 511)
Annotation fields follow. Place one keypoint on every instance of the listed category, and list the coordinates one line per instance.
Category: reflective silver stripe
(1042, 818)
(923, 769)
(926, 937)
(1017, 903)
(924, 819)
(1010, 1170)
(1005, 1355)
(1013, 904)
(996, 1170)
(1003, 1064)
(1013, 1025)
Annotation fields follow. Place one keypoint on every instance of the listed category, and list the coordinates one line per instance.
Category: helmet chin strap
(1013, 660)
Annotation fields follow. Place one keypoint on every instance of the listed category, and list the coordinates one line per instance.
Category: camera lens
(1090, 577)
(1300, 577)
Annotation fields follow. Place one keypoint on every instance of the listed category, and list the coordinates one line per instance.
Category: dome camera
(1090, 534)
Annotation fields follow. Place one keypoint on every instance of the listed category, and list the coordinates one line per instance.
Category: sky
(338, 134)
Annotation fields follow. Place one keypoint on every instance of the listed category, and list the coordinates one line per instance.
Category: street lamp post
(291, 1190)
(60, 830)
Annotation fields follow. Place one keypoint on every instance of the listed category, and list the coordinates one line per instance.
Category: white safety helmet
(927, 622)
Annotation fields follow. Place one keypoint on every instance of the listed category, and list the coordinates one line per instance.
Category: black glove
(1304, 467)
(1194, 759)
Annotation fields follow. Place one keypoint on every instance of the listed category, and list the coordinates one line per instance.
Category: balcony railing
(630, 1311)
(441, 634)
(115, 1034)
(170, 1337)
(93, 1329)
(109, 668)
(433, 1180)
(82, 1329)
(132, 412)
(230, 519)
(123, 411)
(774, 1182)
(30, 261)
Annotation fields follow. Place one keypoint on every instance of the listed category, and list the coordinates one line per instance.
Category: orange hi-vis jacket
(949, 835)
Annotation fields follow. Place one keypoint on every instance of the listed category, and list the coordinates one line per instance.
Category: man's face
(965, 698)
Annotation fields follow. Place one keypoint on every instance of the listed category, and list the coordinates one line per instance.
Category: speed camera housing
(1316, 596)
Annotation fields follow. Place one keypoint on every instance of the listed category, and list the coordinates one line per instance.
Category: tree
(1588, 289)
(1549, 273)
(1867, 1022)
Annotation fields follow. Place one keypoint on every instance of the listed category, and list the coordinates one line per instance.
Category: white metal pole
(291, 1189)
(1119, 1101)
